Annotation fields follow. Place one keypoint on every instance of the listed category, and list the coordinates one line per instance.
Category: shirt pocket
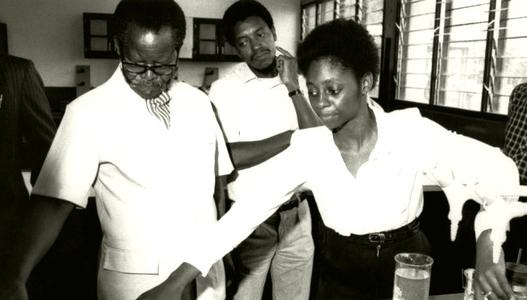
(129, 261)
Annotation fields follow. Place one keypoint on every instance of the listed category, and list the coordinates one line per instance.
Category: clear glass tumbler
(517, 276)
(412, 276)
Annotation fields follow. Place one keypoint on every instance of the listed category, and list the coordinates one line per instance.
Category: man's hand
(287, 69)
(12, 290)
(490, 281)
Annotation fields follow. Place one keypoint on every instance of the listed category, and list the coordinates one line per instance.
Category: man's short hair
(241, 10)
(150, 15)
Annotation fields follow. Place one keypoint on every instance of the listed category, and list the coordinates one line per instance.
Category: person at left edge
(147, 143)
(25, 113)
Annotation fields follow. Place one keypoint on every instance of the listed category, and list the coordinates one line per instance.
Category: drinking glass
(412, 276)
(517, 276)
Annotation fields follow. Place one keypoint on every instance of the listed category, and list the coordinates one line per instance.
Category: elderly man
(150, 146)
(259, 105)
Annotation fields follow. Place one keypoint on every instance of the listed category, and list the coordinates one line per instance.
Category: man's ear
(117, 46)
(274, 33)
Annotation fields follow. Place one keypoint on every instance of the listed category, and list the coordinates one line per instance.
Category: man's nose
(149, 74)
(255, 44)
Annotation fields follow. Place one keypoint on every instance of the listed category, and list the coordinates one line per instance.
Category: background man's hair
(240, 11)
(148, 14)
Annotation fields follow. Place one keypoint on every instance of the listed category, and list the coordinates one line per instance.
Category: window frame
(393, 8)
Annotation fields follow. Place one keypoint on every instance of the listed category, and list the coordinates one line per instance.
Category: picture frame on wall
(97, 39)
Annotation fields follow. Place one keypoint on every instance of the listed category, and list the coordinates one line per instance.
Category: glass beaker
(412, 276)
(517, 277)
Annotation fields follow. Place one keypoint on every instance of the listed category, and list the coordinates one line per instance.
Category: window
(466, 54)
(367, 12)
(317, 13)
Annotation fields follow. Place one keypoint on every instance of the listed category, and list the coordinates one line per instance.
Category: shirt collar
(245, 75)
(120, 87)
(384, 138)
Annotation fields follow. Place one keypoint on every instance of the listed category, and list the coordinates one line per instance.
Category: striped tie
(160, 107)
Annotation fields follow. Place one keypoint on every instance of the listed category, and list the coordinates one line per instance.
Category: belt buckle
(376, 237)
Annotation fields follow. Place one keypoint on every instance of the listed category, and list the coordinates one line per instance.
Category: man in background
(150, 147)
(256, 107)
(515, 148)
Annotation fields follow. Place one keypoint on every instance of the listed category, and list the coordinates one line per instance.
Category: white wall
(49, 32)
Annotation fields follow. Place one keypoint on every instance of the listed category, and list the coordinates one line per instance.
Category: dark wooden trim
(485, 99)
(432, 99)
(388, 54)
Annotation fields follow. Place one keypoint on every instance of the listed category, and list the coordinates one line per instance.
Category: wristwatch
(295, 92)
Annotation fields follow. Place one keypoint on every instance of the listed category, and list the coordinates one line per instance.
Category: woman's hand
(176, 287)
(490, 281)
(165, 291)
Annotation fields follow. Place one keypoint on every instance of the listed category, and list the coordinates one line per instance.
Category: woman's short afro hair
(343, 41)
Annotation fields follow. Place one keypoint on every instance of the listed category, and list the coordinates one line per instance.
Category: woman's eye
(312, 93)
(333, 91)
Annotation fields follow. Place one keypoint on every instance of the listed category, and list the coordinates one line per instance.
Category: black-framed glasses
(138, 69)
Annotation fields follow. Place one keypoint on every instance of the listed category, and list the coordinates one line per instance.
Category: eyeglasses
(137, 69)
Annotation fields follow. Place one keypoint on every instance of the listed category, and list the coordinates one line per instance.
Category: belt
(385, 236)
(295, 200)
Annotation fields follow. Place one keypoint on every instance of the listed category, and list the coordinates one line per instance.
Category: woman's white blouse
(386, 193)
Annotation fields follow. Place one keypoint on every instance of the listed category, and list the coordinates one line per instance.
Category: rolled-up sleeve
(484, 171)
(253, 208)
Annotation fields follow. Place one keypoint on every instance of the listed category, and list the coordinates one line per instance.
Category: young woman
(385, 155)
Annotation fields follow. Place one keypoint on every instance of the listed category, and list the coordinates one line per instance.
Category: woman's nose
(321, 100)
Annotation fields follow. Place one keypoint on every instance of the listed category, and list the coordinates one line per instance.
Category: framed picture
(97, 40)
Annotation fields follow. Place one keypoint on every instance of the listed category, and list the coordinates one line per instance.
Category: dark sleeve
(37, 121)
